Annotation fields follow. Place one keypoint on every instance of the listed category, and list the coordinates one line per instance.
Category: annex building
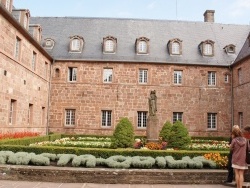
(81, 75)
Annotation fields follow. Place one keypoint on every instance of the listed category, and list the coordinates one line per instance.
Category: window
(45, 70)
(230, 49)
(226, 78)
(70, 115)
(211, 120)
(48, 43)
(12, 111)
(76, 44)
(177, 116)
(211, 78)
(175, 46)
(33, 61)
(72, 74)
(240, 76)
(43, 116)
(142, 45)
(142, 119)
(107, 75)
(241, 119)
(143, 76)
(177, 77)
(17, 48)
(57, 73)
(109, 44)
(106, 118)
(30, 114)
(207, 48)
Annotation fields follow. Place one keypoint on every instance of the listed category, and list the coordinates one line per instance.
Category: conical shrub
(166, 131)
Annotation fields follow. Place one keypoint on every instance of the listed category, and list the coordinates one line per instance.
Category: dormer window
(109, 44)
(230, 49)
(48, 43)
(207, 48)
(76, 44)
(142, 45)
(175, 47)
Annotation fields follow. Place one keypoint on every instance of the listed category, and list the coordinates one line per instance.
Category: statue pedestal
(152, 129)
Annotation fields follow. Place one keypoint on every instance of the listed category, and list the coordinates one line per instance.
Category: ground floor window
(142, 119)
(106, 118)
(211, 120)
(177, 116)
(70, 116)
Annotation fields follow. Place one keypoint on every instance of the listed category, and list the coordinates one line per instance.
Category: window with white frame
(241, 119)
(143, 76)
(30, 114)
(177, 116)
(107, 75)
(240, 76)
(76, 44)
(33, 64)
(211, 78)
(212, 121)
(70, 117)
(141, 119)
(109, 46)
(176, 48)
(208, 49)
(17, 48)
(12, 111)
(72, 73)
(106, 118)
(142, 47)
(177, 77)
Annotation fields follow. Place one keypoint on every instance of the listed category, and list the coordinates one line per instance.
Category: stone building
(90, 72)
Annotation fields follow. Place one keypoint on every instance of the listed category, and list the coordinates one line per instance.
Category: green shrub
(165, 132)
(179, 136)
(123, 136)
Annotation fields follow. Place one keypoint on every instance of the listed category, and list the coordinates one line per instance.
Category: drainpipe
(48, 109)
(232, 98)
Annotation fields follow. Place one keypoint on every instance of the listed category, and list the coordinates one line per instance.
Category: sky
(226, 11)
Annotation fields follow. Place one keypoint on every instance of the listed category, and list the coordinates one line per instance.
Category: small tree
(123, 135)
(166, 131)
(179, 136)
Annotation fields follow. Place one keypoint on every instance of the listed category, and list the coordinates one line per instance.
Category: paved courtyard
(26, 184)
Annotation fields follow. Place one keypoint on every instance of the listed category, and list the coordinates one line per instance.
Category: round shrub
(165, 132)
(123, 136)
(179, 136)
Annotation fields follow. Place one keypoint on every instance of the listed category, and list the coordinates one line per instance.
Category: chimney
(209, 16)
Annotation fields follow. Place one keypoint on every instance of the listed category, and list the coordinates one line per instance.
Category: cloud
(151, 5)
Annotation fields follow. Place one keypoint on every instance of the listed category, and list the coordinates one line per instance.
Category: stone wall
(112, 176)
(125, 96)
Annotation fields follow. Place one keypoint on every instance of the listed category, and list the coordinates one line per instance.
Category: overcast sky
(226, 11)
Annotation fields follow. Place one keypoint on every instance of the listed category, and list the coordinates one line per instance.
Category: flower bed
(11, 135)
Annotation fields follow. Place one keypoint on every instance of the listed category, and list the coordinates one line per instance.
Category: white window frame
(109, 46)
(107, 75)
(212, 121)
(211, 78)
(177, 116)
(106, 118)
(142, 47)
(143, 76)
(176, 48)
(178, 77)
(72, 74)
(70, 117)
(208, 49)
(141, 119)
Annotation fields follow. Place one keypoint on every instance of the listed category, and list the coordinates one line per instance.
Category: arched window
(230, 49)
(109, 44)
(207, 48)
(142, 45)
(76, 44)
(175, 46)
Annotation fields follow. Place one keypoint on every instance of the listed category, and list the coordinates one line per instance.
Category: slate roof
(245, 51)
(93, 30)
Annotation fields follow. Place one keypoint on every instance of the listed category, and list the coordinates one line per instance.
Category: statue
(152, 100)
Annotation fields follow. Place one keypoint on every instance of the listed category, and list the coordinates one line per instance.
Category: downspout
(48, 109)
(232, 98)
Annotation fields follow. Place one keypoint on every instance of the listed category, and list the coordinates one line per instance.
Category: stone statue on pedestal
(152, 101)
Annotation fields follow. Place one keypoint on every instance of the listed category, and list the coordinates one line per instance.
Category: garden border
(112, 176)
